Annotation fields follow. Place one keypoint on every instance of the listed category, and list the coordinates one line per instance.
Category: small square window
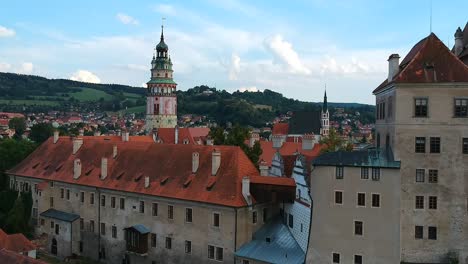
(420, 173)
(358, 228)
(433, 202)
(433, 176)
(420, 145)
(364, 173)
(357, 259)
(432, 233)
(339, 172)
(435, 144)
(418, 232)
(338, 197)
(336, 257)
(419, 202)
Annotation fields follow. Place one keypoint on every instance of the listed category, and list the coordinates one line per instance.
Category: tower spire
(325, 104)
(162, 28)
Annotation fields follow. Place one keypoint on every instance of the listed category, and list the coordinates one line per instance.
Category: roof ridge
(423, 42)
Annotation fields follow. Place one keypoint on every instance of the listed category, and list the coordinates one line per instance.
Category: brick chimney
(195, 161)
(76, 169)
(103, 168)
(263, 166)
(458, 41)
(308, 141)
(393, 66)
(77, 142)
(215, 161)
(246, 190)
(114, 151)
(176, 135)
(56, 136)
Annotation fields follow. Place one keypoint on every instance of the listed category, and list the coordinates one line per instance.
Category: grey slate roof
(282, 247)
(140, 228)
(373, 157)
(60, 215)
(303, 122)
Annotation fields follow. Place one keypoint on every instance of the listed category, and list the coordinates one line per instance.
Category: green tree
(18, 124)
(11, 153)
(333, 142)
(18, 217)
(41, 132)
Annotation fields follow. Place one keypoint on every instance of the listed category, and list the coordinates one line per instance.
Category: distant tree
(18, 124)
(17, 220)
(41, 132)
(333, 142)
(11, 153)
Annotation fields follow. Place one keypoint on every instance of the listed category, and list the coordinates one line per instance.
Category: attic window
(106, 138)
(89, 171)
(139, 177)
(188, 181)
(47, 166)
(163, 181)
(35, 165)
(429, 66)
(59, 167)
(211, 183)
(120, 175)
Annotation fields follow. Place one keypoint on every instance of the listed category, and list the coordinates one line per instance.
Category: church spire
(325, 104)
(162, 32)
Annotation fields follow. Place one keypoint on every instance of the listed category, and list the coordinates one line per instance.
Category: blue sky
(292, 47)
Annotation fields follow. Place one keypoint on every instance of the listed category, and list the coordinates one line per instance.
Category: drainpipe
(99, 222)
(235, 234)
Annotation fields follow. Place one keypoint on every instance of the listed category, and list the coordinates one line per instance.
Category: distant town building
(18, 244)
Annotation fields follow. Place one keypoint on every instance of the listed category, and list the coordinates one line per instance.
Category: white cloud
(85, 76)
(235, 67)
(249, 89)
(4, 67)
(165, 9)
(26, 68)
(126, 19)
(284, 51)
(6, 32)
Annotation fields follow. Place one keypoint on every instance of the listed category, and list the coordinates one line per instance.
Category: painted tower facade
(161, 100)
(325, 117)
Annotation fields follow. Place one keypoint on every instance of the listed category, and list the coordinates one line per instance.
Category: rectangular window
(91, 198)
(375, 174)
(420, 174)
(91, 226)
(420, 107)
(188, 247)
(188, 215)
(154, 209)
(114, 232)
(265, 215)
(215, 219)
(364, 173)
(81, 247)
(336, 257)
(219, 254)
(51, 202)
(57, 229)
(357, 259)
(433, 202)
(122, 204)
(435, 144)
(103, 229)
(465, 146)
(461, 107)
(420, 145)
(418, 232)
(51, 184)
(82, 197)
(338, 197)
(211, 252)
(339, 172)
(244, 261)
(52, 224)
(361, 199)
(375, 200)
(254, 217)
(153, 240)
(42, 221)
(433, 176)
(358, 228)
(432, 233)
(112, 202)
(103, 200)
(68, 194)
(62, 192)
(81, 223)
(170, 212)
(291, 221)
(168, 242)
(142, 207)
(419, 202)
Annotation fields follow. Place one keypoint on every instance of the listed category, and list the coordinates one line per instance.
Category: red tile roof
(287, 149)
(280, 129)
(15, 242)
(167, 135)
(136, 157)
(272, 180)
(429, 61)
(10, 257)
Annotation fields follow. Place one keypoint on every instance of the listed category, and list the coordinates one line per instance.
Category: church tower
(325, 116)
(161, 100)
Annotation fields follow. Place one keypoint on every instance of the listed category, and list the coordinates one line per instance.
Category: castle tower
(161, 100)
(325, 116)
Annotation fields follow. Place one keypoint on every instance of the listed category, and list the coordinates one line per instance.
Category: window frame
(378, 195)
(435, 145)
(358, 226)
(376, 174)
(432, 202)
(337, 255)
(418, 232)
(421, 112)
(339, 172)
(188, 215)
(336, 192)
(358, 256)
(465, 145)
(364, 173)
(213, 223)
(361, 199)
(433, 176)
(114, 231)
(419, 203)
(141, 207)
(420, 177)
(188, 244)
(421, 146)
(154, 209)
(432, 232)
(460, 113)
(170, 212)
(168, 244)
(153, 240)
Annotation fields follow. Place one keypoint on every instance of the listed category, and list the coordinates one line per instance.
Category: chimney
(458, 41)
(125, 136)
(246, 190)
(114, 151)
(77, 142)
(263, 168)
(119, 132)
(81, 132)
(254, 137)
(176, 135)
(76, 169)
(195, 161)
(393, 66)
(308, 141)
(103, 168)
(277, 141)
(147, 182)
(209, 141)
(155, 135)
(56, 136)
(215, 161)
(97, 133)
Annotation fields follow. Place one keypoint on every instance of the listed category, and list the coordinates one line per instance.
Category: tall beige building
(422, 117)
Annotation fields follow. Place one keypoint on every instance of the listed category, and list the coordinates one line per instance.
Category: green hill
(38, 94)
